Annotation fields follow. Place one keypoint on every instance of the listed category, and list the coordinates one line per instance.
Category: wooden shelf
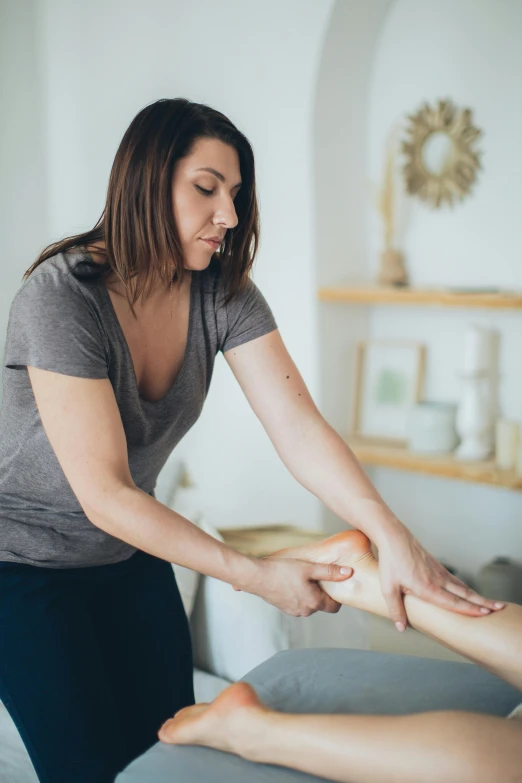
(266, 539)
(361, 293)
(370, 453)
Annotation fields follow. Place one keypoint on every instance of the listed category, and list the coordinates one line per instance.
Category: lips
(212, 243)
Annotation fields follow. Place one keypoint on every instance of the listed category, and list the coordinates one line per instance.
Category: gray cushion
(331, 681)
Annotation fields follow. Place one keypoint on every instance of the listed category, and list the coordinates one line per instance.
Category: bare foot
(353, 548)
(226, 724)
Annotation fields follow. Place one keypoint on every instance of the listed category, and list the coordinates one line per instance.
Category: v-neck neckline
(123, 340)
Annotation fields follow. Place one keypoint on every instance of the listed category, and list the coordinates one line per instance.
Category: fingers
(395, 604)
(451, 601)
(329, 572)
(463, 591)
(330, 606)
(320, 602)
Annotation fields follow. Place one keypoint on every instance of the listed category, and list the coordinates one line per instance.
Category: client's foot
(352, 548)
(226, 724)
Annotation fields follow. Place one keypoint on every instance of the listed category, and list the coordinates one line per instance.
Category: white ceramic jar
(431, 428)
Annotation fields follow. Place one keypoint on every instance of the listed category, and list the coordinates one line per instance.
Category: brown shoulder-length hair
(137, 225)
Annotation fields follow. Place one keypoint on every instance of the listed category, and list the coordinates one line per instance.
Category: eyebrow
(219, 175)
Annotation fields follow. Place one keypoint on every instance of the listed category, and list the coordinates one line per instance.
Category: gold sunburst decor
(441, 162)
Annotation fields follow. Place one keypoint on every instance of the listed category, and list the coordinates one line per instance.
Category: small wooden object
(264, 540)
(392, 270)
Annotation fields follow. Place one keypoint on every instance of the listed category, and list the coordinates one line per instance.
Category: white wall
(469, 51)
(341, 195)
(23, 194)
(100, 63)
(380, 61)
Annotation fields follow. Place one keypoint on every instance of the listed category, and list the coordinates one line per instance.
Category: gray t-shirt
(68, 325)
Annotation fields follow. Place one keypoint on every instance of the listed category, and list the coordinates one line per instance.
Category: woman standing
(109, 355)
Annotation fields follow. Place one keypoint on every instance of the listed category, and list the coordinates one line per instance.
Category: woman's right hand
(291, 585)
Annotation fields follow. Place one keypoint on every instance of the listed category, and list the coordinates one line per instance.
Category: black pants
(92, 662)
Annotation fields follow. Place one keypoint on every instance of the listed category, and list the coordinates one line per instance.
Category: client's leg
(436, 747)
(494, 641)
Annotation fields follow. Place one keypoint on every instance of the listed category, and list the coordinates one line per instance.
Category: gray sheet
(331, 681)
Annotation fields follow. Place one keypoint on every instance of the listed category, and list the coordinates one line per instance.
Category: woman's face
(204, 201)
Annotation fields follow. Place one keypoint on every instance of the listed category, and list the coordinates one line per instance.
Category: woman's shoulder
(56, 326)
(63, 271)
(67, 268)
(56, 287)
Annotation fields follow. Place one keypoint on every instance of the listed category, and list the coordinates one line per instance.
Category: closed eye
(211, 192)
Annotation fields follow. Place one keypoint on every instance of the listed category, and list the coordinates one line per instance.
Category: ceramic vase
(392, 270)
(431, 428)
(501, 580)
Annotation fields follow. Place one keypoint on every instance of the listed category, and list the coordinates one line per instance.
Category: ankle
(253, 731)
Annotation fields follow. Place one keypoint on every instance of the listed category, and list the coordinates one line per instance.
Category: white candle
(507, 435)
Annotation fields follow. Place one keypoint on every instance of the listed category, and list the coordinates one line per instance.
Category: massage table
(331, 681)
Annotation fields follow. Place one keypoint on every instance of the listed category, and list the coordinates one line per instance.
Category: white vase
(431, 428)
(474, 419)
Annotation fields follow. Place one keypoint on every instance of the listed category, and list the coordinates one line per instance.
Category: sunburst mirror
(441, 162)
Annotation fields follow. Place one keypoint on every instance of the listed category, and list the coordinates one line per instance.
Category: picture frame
(389, 380)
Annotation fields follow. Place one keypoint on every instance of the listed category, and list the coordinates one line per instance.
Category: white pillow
(234, 632)
(186, 578)
(187, 581)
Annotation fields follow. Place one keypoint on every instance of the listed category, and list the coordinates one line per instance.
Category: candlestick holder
(474, 422)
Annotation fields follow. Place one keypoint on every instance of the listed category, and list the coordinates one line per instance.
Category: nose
(225, 214)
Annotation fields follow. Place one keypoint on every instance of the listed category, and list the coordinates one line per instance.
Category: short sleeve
(248, 316)
(52, 326)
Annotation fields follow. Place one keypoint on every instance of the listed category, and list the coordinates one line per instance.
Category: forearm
(321, 461)
(438, 747)
(135, 517)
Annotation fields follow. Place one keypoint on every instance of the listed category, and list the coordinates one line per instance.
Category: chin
(198, 264)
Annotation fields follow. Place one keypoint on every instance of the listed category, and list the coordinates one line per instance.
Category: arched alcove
(340, 188)
(380, 61)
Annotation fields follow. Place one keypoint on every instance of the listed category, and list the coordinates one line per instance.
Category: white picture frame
(389, 380)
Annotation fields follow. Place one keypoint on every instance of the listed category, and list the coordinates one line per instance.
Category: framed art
(389, 379)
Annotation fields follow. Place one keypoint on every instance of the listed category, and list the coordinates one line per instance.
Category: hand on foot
(348, 548)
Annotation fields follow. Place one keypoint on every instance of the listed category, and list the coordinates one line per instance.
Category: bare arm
(310, 448)
(320, 460)
(89, 442)
(82, 421)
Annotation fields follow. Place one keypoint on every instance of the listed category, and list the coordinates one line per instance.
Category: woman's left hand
(405, 567)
